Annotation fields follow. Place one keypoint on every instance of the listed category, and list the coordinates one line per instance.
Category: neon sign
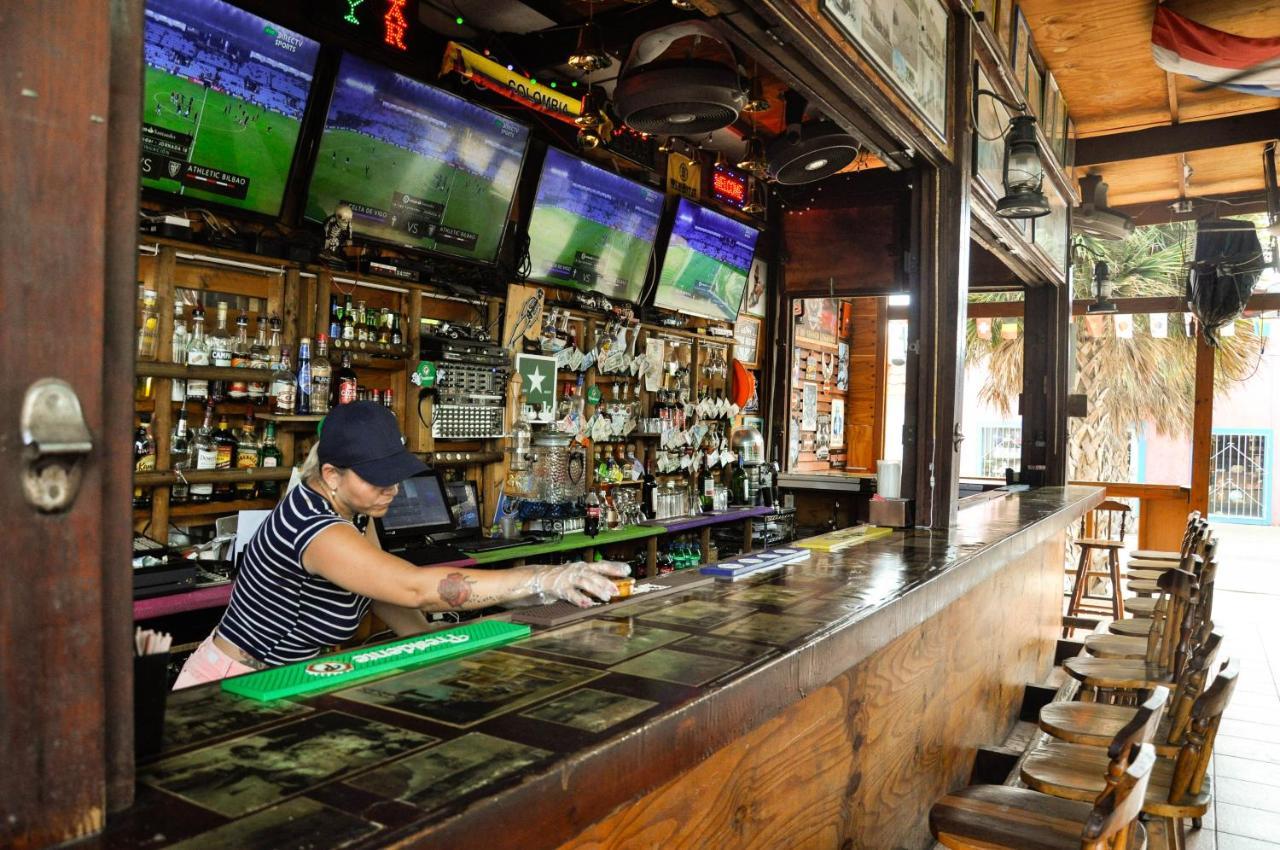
(395, 24)
(729, 187)
(351, 12)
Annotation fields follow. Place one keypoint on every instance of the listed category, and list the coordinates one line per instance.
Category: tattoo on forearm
(455, 589)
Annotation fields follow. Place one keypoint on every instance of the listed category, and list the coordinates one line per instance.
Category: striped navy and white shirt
(279, 612)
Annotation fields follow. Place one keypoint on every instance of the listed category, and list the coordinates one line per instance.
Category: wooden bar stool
(991, 817)
(1205, 572)
(1116, 677)
(1143, 581)
(1192, 544)
(1096, 724)
(1179, 788)
(1193, 519)
(1164, 629)
(1101, 530)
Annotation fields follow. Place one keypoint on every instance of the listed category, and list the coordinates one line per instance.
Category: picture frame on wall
(1052, 112)
(746, 340)
(754, 302)
(1035, 89)
(1020, 48)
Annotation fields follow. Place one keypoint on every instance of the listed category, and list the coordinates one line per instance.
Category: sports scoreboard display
(223, 98)
(592, 229)
(418, 166)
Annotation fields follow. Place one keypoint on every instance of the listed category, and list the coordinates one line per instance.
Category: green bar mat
(345, 668)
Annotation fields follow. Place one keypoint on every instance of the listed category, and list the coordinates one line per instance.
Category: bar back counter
(826, 705)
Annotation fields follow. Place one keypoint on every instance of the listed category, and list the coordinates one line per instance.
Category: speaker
(810, 152)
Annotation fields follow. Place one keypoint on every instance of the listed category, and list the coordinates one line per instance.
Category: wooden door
(68, 156)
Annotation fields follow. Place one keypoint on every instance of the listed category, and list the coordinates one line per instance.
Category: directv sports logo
(283, 39)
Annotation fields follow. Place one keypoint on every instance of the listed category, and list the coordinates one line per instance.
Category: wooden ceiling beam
(1179, 138)
(1173, 97)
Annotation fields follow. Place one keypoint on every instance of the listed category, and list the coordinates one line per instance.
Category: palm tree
(1128, 381)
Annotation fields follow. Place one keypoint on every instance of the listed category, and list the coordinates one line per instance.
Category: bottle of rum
(220, 352)
(259, 358)
(180, 447)
(269, 457)
(321, 376)
(225, 442)
(144, 459)
(284, 386)
(197, 355)
(206, 457)
(238, 390)
(247, 451)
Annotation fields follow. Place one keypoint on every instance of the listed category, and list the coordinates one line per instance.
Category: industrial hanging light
(757, 197)
(1023, 172)
(684, 5)
(589, 55)
(666, 145)
(589, 116)
(588, 138)
(753, 159)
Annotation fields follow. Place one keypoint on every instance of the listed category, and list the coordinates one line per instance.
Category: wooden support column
(1046, 347)
(944, 293)
(1202, 426)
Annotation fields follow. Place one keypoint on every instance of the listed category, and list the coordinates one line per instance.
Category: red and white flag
(1182, 46)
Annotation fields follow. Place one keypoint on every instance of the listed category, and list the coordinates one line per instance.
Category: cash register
(417, 521)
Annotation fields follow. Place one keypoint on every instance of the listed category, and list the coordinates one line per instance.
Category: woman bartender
(310, 573)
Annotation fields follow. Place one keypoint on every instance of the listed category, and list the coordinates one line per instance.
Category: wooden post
(1202, 425)
(162, 417)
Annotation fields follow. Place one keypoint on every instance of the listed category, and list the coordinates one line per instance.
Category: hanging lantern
(588, 138)
(590, 115)
(589, 55)
(753, 159)
(757, 197)
(756, 101)
(1023, 172)
(1102, 288)
(984, 328)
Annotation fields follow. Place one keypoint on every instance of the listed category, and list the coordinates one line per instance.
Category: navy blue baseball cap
(364, 436)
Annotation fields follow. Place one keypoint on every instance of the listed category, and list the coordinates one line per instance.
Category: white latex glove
(573, 582)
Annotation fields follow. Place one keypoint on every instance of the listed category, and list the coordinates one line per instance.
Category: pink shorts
(208, 664)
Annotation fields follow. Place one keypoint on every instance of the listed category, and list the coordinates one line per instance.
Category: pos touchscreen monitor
(705, 268)
(592, 229)
(223, 96)
(418, 166)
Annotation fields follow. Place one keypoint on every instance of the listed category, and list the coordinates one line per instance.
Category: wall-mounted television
(705, 268)
(223, 98)
(592, 229)
(419, 167)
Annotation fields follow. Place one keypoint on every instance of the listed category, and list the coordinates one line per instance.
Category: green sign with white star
(538, 379)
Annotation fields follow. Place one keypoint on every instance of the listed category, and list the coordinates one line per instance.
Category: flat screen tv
(223, 98)
(591, 229)
(705, 268)
(419, 167)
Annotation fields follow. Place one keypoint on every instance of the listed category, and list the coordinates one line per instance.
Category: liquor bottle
(346, 384)
(397, 337)
(178, 353)
(738, 485)
(321, 376)
(220, 352)
(384, 327)
(269, 457)
(335, 317)
(362, 324)
(284, 386)
(302, 401)
(706, 486)
(259, 358)
(225, 442)
(591, 527)
(239, 390)
(144, 459)
(273, 347)
(247, 457)
(349, 322)
(180, 458)
(649, 491)
(197, 355)
(149, 329)
(206, 455)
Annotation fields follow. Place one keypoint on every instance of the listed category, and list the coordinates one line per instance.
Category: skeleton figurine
(337, 233)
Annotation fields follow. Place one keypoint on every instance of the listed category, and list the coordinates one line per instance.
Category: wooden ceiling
(1100, 53)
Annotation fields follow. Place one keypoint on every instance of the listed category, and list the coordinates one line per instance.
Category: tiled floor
(1246, 764)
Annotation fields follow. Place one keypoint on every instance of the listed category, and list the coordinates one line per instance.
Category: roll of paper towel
(889, 478)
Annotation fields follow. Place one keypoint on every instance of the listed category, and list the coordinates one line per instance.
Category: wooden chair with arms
(1205, 571)
(1164, 628)
(991, 817)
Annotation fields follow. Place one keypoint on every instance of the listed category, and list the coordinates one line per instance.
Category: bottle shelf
(367, 349)
(156, 369)
(188, 510)
(164, 479)
(291, 420)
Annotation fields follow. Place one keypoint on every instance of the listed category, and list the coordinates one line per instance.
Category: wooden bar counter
(826, 706)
